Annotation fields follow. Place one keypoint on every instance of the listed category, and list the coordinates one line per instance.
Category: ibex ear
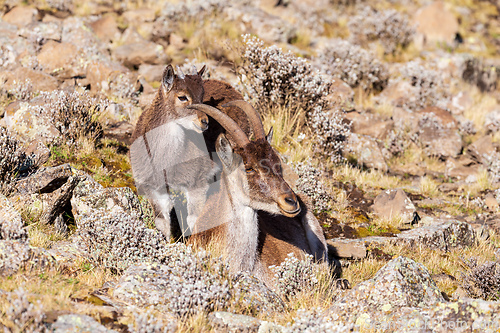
(269, 136)
(202, 70)
(224, 150)
(167, 81)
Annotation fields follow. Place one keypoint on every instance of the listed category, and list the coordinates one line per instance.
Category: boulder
(435, 24)
(41, 32)
(369, 124)
(45, 180)
(392, 203)
(483, 151)
(61, 60)
(39, 80)
(345, 249)
(366, 152)
(402, 282)
(21, 16)
(438, 133)
(11, 223)
(106, 28)
(137, 16)
(135, 54)
(100, 73)
(151, 72)
(457, 170)
(25, 120)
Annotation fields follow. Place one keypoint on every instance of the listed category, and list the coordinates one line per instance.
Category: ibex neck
(242, 232)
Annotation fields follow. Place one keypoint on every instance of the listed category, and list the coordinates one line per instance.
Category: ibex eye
(183, 98)
(250, 170)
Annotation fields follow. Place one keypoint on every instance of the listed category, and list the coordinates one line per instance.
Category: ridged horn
(225, 121)
(253, 117)
(180, 74)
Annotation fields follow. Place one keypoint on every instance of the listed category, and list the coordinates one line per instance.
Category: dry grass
(428, 186)
(482, 105)
(364, 179)
(361, 270)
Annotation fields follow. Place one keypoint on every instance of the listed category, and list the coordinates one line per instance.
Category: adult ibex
(253, 195)
(169, 151)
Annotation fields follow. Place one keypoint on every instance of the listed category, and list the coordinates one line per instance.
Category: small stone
(346, 248)
(491, 202)
(392, 203)
(366, 152)
(78, 323)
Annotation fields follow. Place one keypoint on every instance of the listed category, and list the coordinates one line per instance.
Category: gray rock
(75, 323)
(461, 316)
(366, 152)
(391, 203)
(11, 223)
(400, 283)
(45, 180)
(230, 322)
(16, 255)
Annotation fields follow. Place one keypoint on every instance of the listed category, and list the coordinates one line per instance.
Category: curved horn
(229, 125)
(253, 117)
(180, 74)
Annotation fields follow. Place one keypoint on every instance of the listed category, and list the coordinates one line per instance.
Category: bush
(427, 87)
(313, 322)
(185, 283)
(390, 27)
(74, 114)
(116, 241)
(354, 65)
(275, 78)
(482, 281)
(13, 161)
(146, 322)
(23, 315)
(293, 276)
(309, 182)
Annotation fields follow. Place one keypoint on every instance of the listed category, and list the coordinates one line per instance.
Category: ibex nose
(289, 204)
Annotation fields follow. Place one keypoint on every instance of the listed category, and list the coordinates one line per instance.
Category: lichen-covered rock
(400, 283)
(185, 283)
(15, 255)
(11, 224)
(76, 323)
(462, 316)
(230, 322)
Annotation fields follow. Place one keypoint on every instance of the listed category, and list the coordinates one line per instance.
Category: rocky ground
(387, 111)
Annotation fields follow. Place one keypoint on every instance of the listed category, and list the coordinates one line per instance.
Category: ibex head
(179, 91)
(255, 165)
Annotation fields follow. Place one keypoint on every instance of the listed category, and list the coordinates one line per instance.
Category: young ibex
(169, 151)
(253, 193)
